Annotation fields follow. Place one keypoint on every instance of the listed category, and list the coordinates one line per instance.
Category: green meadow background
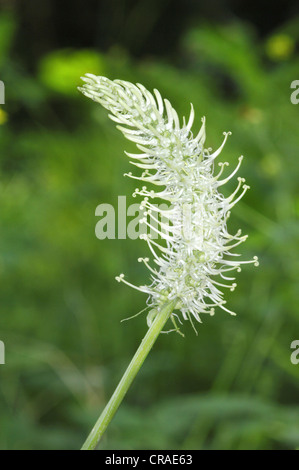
(231, 387)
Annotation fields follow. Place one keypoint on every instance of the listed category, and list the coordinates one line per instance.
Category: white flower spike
(192, 262)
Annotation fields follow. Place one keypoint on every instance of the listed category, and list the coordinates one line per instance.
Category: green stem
(128, 377)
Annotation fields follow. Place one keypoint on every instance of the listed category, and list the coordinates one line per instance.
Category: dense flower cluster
(193, 259)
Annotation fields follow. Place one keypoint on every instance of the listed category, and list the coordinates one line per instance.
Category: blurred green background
(231, 387)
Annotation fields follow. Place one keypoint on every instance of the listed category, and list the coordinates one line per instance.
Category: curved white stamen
(220, 183)
(191, 119)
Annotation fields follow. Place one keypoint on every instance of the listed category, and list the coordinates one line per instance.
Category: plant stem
(128, 377)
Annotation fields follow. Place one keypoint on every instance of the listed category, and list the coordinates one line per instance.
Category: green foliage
(7, 29)
(231, 387)
(60, 69)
